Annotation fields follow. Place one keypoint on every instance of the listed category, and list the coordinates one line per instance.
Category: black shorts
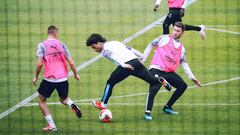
(46, 88)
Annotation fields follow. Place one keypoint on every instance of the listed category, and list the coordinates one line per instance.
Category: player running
(176, 12)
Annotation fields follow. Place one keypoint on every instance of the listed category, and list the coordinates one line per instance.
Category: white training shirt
(119, 53)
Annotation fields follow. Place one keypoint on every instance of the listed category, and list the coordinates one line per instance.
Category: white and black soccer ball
(105, 115)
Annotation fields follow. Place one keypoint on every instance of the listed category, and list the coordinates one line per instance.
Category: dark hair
(94, 38)
(52, 29)
(180, 25)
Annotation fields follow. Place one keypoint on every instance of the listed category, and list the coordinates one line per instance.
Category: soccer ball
(105, 115)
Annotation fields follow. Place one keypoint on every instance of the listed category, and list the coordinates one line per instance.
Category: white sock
(103, 105)
(69, 102)
(50, 121)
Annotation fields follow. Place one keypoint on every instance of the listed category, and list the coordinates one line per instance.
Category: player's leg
(62, 89)
(117, 76)
(45, 90)
(200, 28)
(151, 95)
(177, 82)
(142, 72)
(191, 27)
(167, 22)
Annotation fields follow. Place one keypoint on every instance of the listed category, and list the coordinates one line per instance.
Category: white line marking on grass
(143, 104)
(85, 64)
(223, 26)
(223, 31)
(138, 94)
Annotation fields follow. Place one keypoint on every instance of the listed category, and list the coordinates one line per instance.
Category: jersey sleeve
(185, 4)
(112, 57)
(68, 55)
(40, 50)
(136, 52)
(185, 65)
(148, 49)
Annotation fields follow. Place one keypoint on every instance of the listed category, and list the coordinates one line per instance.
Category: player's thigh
(156, 72)
(174, 79)
(119, 74)
(168, 20)
(62, 89)
(176, 18)
(46, 88)
(145, 75)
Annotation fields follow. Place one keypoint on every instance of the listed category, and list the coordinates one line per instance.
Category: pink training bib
(55, 65)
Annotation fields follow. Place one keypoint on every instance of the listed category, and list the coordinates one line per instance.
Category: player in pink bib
(54, 55)
(175, 14)
(169, 54)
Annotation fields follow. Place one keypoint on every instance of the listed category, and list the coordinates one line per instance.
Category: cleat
(169, 110)
(76, 110)
(202, 32)
(147, 116)
(48, 128)
(164, 83)
(97, 104)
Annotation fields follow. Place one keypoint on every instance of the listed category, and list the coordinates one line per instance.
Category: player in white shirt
(128, 63)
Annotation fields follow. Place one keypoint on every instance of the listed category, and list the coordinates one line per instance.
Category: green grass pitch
(213, 109)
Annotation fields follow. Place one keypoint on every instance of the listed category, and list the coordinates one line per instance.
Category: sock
(50, 121)
(147, 112)
(103, 105)
(69, 102)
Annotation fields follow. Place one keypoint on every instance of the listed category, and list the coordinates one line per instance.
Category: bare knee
(42, 100)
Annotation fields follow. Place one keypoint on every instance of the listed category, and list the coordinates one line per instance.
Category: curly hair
(94, 39)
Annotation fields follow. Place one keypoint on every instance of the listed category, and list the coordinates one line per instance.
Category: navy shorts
(46, 88)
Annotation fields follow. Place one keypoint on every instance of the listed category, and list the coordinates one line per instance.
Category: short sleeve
(40, 50)
(68, 55)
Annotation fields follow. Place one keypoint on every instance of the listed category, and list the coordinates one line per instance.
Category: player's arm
(73, 68)
(70, 62)
(38, 70)
(157, 4)
(188, 71)
(184, 6)
(136, 52)
(113, 57)
(40, 54)
(149, 47)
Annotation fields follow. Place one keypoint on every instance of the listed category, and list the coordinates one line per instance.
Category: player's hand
(77, 77)
(182, 12)
(155, 8)
(128, 66)
(197, 83)
(34, 81)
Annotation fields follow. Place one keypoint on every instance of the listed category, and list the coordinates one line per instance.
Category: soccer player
(169, 54)
(128, 61)
(176, 12)
(54, 55)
